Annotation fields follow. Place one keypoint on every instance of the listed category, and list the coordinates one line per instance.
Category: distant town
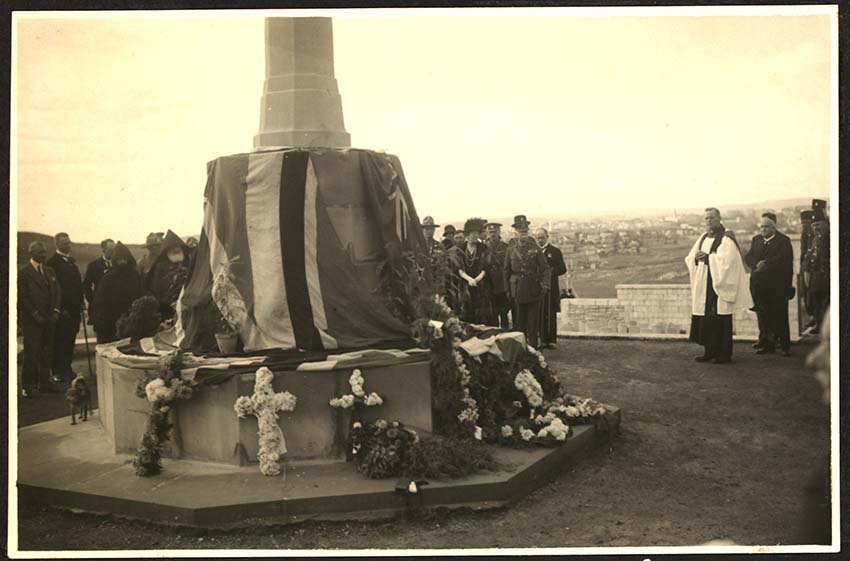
(587, 242)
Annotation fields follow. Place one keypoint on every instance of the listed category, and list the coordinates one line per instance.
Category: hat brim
(430, 225)
(518, 225)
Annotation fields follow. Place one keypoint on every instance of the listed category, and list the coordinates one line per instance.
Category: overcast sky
(490, 116)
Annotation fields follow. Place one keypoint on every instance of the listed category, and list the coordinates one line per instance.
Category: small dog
(79, 397)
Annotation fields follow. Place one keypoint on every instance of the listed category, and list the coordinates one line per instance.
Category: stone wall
(648, 310)
(592, 315)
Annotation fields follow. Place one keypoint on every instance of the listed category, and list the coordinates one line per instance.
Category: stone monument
(301, 113)
(301, 106)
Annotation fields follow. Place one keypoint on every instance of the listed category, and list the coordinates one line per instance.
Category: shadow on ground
(705, 452)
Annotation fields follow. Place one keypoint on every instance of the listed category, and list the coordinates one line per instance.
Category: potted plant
(226, 336)
(233, 313)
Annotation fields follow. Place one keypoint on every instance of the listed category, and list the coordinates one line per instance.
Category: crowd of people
(719, 286)
(53, 297)
(485, 281)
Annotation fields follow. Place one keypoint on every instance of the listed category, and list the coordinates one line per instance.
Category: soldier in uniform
(806, 218)
(455, 286)
(428, 228)
(500, 297)
(816, 266)
(528, 274)
(436, 256)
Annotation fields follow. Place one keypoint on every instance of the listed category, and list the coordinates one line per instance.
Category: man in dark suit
(68, 323)
(771, 260)
(95, 271)
(39, 301)
(528, 277)
(550, 304)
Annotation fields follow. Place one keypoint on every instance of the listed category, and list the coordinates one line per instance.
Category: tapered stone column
(301, 105)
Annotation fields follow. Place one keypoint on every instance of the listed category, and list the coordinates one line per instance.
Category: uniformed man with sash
(498, 281)
(528, 279)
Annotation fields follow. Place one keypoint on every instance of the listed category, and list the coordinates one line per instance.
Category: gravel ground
(705, 452)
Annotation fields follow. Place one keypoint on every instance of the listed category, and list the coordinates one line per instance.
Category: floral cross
(357, 397)
(264, 405)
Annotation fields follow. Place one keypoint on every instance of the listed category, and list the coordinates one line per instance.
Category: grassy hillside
(661, 264)
(84, 253)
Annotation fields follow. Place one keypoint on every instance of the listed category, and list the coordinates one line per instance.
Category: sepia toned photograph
(464, 281)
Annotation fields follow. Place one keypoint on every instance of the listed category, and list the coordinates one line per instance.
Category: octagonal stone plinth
(207, 428)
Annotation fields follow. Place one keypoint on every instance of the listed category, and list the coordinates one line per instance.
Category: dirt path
(705, 452)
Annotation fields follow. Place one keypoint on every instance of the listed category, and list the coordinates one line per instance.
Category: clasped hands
(470, 280)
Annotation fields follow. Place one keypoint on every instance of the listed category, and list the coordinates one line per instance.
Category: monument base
(74, 467)
(207, 428)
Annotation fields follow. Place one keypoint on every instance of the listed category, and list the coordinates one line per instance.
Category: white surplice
(729, 278)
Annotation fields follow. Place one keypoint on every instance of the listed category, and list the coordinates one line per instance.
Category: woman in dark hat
(448, 237)
(117, 290)
(475, 286)
(169, 273)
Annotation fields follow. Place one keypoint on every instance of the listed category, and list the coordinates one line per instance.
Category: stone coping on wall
(659, 285)
(638, 336)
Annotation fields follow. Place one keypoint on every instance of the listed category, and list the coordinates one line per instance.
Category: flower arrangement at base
(485, 397)
(379, 448)
(161, 390)
(389, 449)
(580, 411)
(498, 390)
(264, 405)
(530, 387)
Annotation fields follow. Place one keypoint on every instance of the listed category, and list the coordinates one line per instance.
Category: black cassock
(712, 330)
(550, 304)
(771, 287)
